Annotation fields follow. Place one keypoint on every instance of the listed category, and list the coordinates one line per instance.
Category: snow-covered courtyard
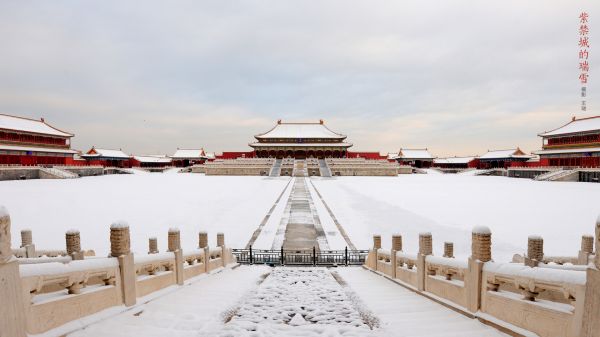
(449, 206)
(446, 205)
(151, 204)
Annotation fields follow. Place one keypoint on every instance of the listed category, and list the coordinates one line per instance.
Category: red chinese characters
(584, 54)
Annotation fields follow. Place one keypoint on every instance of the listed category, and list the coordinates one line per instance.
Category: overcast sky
(457, 77)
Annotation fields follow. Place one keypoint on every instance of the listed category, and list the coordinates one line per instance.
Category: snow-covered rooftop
(35, 149)
(152, 159)
(558, 151)
(454, 160)
(343, 144)
(106, 153)
(414, 154)
(503, 154)
(300, 130)
(576, 126)
(8, 122)
(189, 154)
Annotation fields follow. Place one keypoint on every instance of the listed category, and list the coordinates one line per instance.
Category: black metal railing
(312, 257)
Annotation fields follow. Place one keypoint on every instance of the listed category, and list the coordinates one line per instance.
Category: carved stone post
(120, 247)
(376, 241)
(591, 305)
(174, 242)
(175, 247)
(481, 252)
(425, 244)
(12, 310)
(535, 250)
(220, 239)
(73, 240)
(425, 248)
(207, 259)
(26, 237)
(587, 249)
(597, 261)
(448, 249)
(27, 243)
(153, 245)
(397, 242)
(396, 247)
(202, 240)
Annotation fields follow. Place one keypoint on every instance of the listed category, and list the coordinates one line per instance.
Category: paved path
(259, 301)
(404, 313)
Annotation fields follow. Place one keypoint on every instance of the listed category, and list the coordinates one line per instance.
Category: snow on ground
(269, 231)
(150, 203)
(189, 311)
(259, 301)
(402, 312)
(334, 237)
(450, 205)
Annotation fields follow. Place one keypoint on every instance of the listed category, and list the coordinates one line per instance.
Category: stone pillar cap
(173, 230)
(481, 230)
(119, 225)
(534, 237)
(425, 234)
(4, 211)
(73, 231)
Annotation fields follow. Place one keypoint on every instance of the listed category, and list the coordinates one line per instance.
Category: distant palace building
(300, 140)
(414, 157)
(25, 141)
(107, 157)
(503, 158)
(576, 143)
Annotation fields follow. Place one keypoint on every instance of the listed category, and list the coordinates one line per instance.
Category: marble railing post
(153, 245)
(448, 249)
(481, 252)
(587, 249)
(396, 247)
(397, 242)
(175, 247)
(535, 250)
(220, 239)
(202, 240)
(120, 247)
(591, 305)
(12, 307)
(73, 241)
(376, 241)
(27, 243)
(425, 248)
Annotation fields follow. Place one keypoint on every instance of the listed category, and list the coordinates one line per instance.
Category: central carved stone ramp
(300, 302)
(303, 229)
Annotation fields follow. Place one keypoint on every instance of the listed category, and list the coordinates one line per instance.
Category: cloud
(456, 77)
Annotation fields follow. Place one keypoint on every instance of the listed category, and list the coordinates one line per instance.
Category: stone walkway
(300, 227)
(259, 301)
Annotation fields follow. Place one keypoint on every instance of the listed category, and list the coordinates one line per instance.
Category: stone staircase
(56, 173)
(300, 168)
(324, 170)
(276, 168)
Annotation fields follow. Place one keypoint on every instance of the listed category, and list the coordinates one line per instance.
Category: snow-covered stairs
(276, 168)
(324, 170)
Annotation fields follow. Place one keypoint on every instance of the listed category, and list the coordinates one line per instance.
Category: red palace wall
(234, 155)
(32, 160)
(366, 155)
